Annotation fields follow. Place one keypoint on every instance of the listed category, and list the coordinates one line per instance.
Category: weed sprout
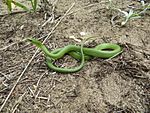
(129, 16)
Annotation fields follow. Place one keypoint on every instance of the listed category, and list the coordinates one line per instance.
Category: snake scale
(105, 50)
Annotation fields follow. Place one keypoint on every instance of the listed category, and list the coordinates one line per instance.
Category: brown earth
(118, 85)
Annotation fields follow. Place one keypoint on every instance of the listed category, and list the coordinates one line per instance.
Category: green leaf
(8, 2)
(20, 5)
(34, 4)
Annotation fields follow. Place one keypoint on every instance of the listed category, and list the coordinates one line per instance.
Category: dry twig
(5, 76)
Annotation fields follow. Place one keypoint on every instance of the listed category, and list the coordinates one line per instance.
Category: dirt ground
(118, 85)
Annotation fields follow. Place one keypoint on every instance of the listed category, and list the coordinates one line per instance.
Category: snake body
(77, 52)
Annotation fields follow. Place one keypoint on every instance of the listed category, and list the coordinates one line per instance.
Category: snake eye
(29, 39)
(35, 42)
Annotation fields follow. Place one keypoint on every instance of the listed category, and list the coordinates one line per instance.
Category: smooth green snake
(105, 50)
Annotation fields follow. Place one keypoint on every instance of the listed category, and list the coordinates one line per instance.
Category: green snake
(105, 50)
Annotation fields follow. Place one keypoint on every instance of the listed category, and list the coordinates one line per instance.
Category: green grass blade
(8, 3)
(20, 5)
(34, 5)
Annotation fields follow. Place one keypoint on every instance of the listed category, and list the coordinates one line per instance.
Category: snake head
(35, 42)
